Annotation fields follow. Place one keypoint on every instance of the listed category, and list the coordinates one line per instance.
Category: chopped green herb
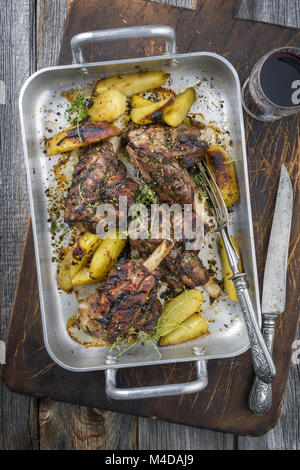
(53, 225)
(145, 195)
(77, 111)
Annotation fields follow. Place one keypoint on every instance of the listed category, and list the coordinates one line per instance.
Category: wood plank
(285, 436)
(18, 423)
(160, 435)
(283, 12)
(69, 427)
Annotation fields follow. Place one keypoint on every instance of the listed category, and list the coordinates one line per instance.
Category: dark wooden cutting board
(222, 406)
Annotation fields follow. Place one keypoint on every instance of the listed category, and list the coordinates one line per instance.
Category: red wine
(277, 75)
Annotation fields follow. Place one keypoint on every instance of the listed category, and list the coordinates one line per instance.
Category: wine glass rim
(261, 63)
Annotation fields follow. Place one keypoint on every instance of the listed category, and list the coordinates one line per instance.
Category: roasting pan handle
(135, 32)
(158, 390)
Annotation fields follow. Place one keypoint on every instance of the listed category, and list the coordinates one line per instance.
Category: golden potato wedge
(227, 273)
(179, 309)
(81, 250)
(79, 136)
(108, 106)
(82, 278)
(158, 94)
(221, 166)
(175, 115)
(152, 112)
(139, 102)
(64, 279)
(132, 83)
(106, 255)
(191, 328)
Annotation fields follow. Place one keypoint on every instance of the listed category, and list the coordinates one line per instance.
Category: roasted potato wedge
(84, 246)
(227, 273)
(79, 136)
(221, 166)
(175, 115)
(139, 102)
(179, 309)
(82, 278)
(191, 328)
(132, 83)
(106, 255)
(152, 112)
(108, 106)
(64, 279)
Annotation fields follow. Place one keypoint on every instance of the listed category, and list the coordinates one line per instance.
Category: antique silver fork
(262, 360)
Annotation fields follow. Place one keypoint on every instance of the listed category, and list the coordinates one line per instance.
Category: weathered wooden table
(30, 37)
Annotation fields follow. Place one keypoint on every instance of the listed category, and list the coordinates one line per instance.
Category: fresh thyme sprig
(201, 185)
(140, 337)
(145, 195)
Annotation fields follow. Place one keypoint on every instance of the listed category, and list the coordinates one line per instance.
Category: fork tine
(216, 189)
(217, 201)
(209, 191)
(220, 212)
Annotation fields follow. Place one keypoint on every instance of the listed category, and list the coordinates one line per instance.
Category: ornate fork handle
(260, 399)
(262, 360)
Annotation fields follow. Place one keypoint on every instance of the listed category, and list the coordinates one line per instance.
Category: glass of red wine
(273, 89)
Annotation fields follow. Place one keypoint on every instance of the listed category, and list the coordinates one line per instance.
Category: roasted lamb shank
(128, 301)
(165, 158)
(181, 267)
(98, 178)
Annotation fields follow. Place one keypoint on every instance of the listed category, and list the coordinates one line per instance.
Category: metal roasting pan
(41, 90)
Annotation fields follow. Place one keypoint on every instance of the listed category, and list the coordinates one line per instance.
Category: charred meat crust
(163, 156)
(127, 301)
(98, 178)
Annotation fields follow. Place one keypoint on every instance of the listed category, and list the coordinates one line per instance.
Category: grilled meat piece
(128, 300)
(163, 156)
(98, 178)
(180, 268)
